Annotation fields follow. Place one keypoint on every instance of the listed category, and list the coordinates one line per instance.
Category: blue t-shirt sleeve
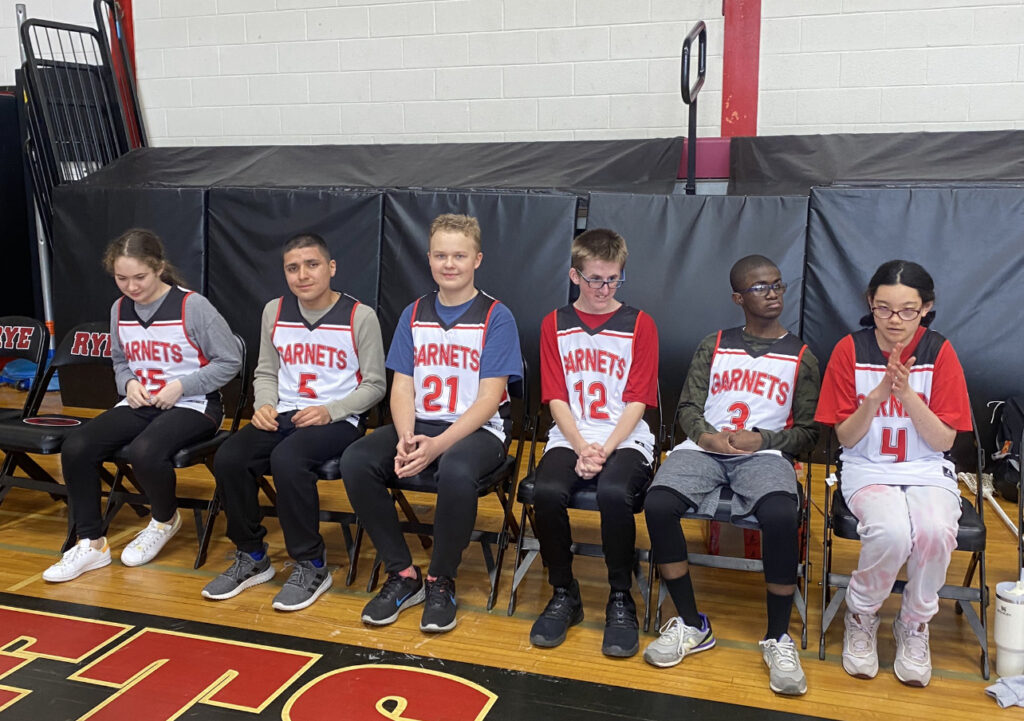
(502, 355)
(401, 353)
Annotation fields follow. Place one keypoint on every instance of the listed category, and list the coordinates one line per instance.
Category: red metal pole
(741, 54)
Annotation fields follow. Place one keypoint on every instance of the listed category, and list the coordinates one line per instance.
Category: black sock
(681, 591)
(779, 609)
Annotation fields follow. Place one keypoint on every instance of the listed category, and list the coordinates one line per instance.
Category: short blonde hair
(465, 224)
(599, 244)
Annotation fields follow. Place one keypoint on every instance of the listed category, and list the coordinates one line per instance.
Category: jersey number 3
(740, 414)
(899, 448)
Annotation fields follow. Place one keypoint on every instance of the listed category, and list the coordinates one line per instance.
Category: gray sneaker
(678, 640)
(784, 672)
(913, 664)
(306, 584)
(860, 645)
(244, 573)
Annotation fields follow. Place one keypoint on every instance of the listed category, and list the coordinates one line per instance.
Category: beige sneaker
(913, 664)
(860, 645)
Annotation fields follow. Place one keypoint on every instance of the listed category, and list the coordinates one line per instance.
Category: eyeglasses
(883, 313)
(597, 283)
(764, 288)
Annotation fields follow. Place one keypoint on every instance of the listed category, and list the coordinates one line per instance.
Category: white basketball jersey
(446, 363)
(747, 389)
(318, 362)
(159, 350)
(596, 364)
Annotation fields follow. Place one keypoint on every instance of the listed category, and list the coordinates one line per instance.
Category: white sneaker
(678, 640)
(785, 674)
(148, 542)
(80, 558)
(913, 664)
(860, 645)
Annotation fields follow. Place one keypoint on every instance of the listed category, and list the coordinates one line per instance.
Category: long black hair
(901, 272)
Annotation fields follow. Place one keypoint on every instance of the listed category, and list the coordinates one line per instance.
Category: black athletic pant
(369, 470)
(625, 473)
(293, 456)
(153, 437)
(776, 514)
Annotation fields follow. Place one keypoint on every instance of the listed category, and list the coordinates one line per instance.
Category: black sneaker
(439, 610)
(565, 609)
(397, 594)
(621, 630)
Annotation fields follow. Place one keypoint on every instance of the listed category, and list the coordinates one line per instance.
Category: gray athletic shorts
(699, 477)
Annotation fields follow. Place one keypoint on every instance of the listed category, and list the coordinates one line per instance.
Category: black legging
(293, 456)
(153, 437)
(776, 514)
(368, 468)
(624, 474)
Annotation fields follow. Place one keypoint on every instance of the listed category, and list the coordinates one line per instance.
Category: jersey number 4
(899, 448)
(152, 379)
(599, 398)
(434, 387)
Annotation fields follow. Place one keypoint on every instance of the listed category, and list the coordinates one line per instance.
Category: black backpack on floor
(1008, 420)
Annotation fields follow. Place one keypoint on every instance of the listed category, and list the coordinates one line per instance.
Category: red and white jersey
(318, 362)
(892, 451)
(596, 364)
(446, 362)
(748, 390)
(159, 351)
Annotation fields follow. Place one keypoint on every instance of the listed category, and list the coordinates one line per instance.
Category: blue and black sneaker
(397, 594)
(439, 610)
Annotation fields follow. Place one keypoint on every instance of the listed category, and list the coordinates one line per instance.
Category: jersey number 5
(305, 390)
(434, 387)
(596, 391)
(899, 448)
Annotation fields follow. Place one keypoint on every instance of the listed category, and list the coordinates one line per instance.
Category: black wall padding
(17, 294)
(526, 239)
(681, 249)
(249, 226)
(970, 239)
(793, 164)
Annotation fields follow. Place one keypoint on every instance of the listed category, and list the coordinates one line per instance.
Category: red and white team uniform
(596, 365)
(748, 390)
(318, 362)
(902, 491)
(159, 351)
(446, 366)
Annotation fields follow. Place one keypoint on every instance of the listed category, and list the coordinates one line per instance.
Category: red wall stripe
(741, 53)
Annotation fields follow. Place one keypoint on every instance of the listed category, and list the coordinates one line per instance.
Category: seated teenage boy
(321, 366)
(599, 372)
(747, 408)
(453, 352)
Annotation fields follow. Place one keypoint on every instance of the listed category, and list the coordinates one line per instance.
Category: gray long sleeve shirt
(369, 351)
(204, 325)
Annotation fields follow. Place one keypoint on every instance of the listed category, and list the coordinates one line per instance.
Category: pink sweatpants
(915, 525)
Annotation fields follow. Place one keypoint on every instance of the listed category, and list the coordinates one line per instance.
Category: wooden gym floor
(32, 525)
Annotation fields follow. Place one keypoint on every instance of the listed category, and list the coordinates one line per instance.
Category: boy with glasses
(599, 373)
(747, 408)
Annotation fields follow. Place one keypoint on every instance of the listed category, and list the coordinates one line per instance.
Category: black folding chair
(840, 522)
(723, 514)
(87, 344)
(582, 498)
(23, 338)
(500, 482)
(203, 509)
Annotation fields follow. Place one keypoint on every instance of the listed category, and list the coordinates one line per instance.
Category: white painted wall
(891, 65)
(359, 71)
